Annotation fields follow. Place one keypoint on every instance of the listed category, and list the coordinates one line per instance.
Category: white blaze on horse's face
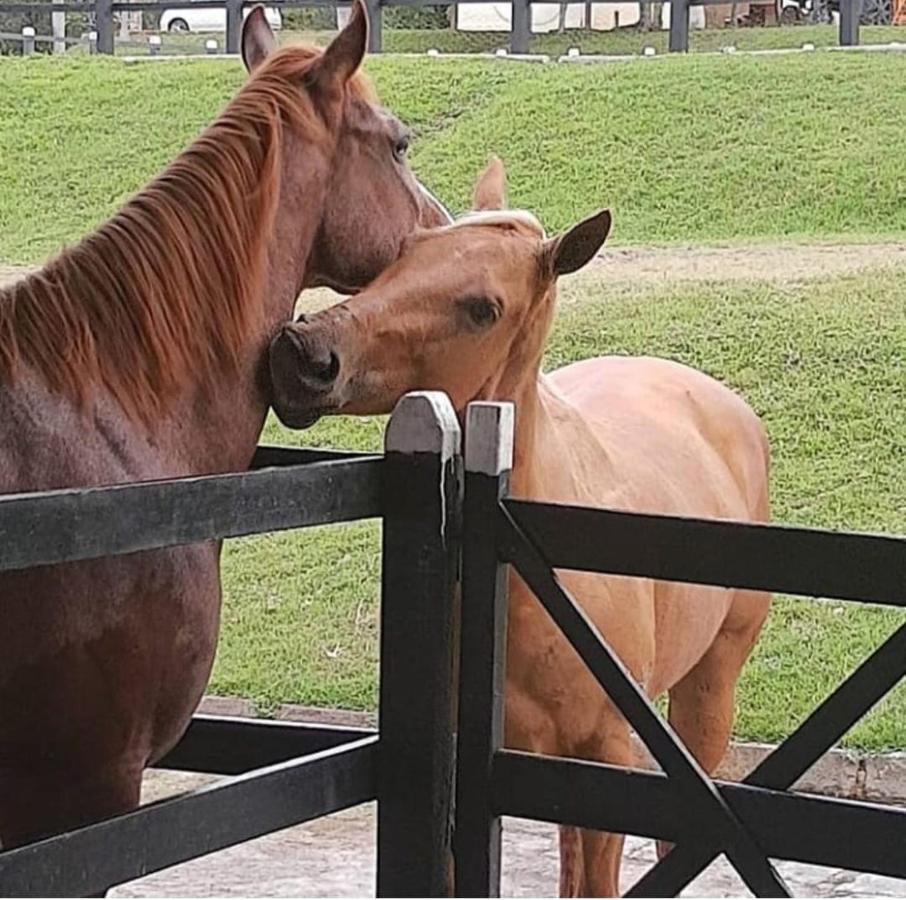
(466, 310)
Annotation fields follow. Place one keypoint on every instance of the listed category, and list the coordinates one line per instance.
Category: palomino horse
(137, 354)
(466, 309)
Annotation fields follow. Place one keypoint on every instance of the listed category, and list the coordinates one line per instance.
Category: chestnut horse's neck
(230, 417)
(155, 325)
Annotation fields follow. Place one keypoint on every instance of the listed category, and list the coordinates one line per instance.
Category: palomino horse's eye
(401, 148)
(482, 311)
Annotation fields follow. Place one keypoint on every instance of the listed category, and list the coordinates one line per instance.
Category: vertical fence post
(375, 25)
(103, 13)
(423, 496)
(679, 26)
(28, 40)
(850, 13)
(488, 461)
(521, 26)
(233, 25)
(58, 29)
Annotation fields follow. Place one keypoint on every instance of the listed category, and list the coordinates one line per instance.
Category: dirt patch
(760, 262)
(655, 266)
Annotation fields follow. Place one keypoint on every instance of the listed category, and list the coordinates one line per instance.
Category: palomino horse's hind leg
(590, 860)
(701, 705)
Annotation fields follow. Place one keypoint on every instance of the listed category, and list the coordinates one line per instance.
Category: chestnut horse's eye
(482, 311)
(401, 148)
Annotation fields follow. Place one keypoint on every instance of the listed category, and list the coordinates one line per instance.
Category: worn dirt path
(757, 262)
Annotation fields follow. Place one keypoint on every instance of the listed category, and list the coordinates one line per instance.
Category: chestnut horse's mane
(170, 287)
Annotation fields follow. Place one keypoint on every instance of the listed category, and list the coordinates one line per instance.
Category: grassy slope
(758, 158)
(710, 148)
(826, 374)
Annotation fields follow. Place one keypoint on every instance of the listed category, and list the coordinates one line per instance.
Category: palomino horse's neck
(551, 443)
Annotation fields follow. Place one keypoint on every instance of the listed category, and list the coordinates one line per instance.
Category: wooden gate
(751, 823)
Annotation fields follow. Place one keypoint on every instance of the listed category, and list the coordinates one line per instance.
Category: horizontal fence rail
(69, 525)
(805, 561)
(228, 745)
(90, 860)
(822, 831)
(520, 29)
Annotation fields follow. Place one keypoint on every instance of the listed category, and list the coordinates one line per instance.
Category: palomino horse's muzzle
(303, 371)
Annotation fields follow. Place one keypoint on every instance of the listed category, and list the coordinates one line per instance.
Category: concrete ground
(334, 857)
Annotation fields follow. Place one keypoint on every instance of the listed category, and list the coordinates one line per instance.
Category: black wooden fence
(520, 31)
(752, 822)
(440, 526)
(279, 773)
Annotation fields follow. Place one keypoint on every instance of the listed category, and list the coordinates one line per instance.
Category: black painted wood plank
(93, 859)
(810, 562)
(67, 525)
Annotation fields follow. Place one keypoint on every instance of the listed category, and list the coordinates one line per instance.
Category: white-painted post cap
(424, 422)
(573, 51)
(489, 438)
(28, 31)
(808, 46)
(649, 51)
(501, 51)
(432, 51)
(210, 45)
(154, 39)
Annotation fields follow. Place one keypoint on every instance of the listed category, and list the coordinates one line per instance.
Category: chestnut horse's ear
(575, 248)
(258, 41)
(490, 189)
(343, 56)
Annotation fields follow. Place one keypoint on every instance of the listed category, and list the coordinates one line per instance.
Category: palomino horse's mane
(172, 284)
(518, 219)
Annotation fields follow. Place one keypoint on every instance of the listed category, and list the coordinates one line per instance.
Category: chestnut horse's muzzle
(303, 373)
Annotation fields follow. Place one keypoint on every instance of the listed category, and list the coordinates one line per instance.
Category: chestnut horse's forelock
(173, 282)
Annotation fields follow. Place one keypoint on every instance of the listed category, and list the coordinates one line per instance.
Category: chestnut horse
(466, 310)
(138, 354)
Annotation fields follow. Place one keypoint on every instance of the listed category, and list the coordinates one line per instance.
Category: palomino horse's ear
(344, 54)
(576, 247)
(490, 189)
(258, 41)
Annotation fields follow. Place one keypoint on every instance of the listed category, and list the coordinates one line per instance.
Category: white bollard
(432, 51)
(808, 47)
(28, 40)
(501, 52)
(573, 51)
(210, 46)
(154, 43)
(92, 42)
(649, 51)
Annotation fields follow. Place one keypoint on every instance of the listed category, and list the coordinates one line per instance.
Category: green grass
(682, 149)
(695, 148)
(823, 363)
